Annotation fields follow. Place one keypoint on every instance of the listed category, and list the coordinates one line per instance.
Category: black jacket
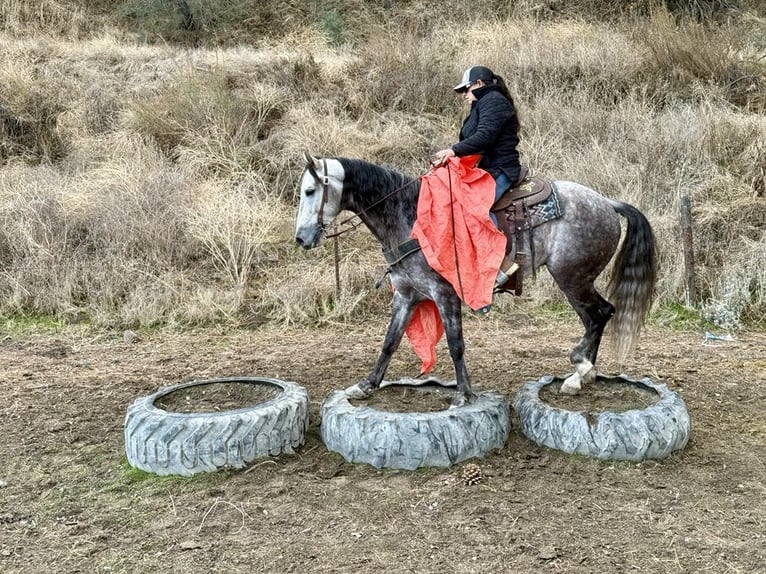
(492, 130)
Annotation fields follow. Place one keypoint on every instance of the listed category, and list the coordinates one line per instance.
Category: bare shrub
(29, 112)
(698, 60)
(34, 234)
(203, 121)
(52, 16)
(233, 222)
(560, 61)
(133, 203)
(400, 71)
(741, 287)
(166, 178)
(303, 289)
(74, 243)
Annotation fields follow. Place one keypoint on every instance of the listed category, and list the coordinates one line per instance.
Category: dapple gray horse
(575, 248)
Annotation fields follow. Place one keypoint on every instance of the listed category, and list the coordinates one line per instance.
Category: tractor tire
(634, 435)
(170, 443)
(413, 440)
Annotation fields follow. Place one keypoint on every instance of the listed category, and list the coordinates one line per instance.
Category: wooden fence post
(688, 250)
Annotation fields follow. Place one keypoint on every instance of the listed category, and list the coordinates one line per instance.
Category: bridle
(350, 224)
(324, 181)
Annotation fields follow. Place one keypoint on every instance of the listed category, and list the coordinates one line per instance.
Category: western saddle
(512, 212)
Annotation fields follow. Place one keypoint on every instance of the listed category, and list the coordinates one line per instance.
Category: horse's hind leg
(594, 312)
(401, 313)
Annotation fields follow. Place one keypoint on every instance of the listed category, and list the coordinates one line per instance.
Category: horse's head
(321, 191)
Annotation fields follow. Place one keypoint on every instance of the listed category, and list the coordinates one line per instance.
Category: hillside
(150, 151)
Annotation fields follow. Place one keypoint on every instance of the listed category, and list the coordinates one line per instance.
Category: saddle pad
(546, 210)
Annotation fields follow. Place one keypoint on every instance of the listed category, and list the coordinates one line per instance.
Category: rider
(491, 130)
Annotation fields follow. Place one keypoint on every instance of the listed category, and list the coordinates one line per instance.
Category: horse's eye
(309, 191)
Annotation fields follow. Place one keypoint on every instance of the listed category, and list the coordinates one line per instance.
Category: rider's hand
(440, 157)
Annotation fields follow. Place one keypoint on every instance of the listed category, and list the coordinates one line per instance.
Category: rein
(348, 221)
(325, 181)
(454, 235)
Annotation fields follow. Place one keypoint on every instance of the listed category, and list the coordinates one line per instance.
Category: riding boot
(507, 269)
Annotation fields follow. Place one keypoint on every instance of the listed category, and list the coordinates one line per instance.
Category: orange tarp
(459, 241)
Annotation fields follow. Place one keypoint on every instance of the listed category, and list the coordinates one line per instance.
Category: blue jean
(502, 183)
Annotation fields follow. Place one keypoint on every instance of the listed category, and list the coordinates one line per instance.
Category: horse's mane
(367, 183)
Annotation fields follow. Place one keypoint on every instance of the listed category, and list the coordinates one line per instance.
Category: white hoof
(356, 392)
(584, 373)
(572, 385)
(588, 374)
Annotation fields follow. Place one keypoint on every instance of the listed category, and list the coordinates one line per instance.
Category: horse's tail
(631, 287)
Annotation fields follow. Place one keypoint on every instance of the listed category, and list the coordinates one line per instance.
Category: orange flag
(459, 241)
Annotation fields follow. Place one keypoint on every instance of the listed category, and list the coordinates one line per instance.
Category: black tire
(167, 443)
(413, 440)
(650, 433)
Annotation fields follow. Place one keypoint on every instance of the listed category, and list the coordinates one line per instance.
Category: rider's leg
(507, 267)
(502, 183)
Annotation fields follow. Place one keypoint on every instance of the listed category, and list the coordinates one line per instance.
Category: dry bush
(167, 189)
(561, 61)
(233, 221)
(87, 242)
(34, 237)
(303, 289)
(701, 61)
(133, 202)
(399, 71)
(739, 287)
(29, 110)
(69, 19)
(207, 125)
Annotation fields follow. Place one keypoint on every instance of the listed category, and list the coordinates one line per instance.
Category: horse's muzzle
(309, 237)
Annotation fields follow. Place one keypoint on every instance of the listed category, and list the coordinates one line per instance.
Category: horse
(575, 248)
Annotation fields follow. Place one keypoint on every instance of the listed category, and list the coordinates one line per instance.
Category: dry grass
(234, 222)
(18, 16)
(144, 184)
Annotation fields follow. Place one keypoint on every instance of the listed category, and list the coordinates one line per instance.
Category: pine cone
(472, 474)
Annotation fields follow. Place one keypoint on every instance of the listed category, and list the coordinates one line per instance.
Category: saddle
(513, 219)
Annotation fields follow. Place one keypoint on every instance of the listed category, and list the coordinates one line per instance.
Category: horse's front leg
(450, 311)
(402, 309)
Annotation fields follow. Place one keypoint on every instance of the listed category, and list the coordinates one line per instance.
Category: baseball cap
(471, 75)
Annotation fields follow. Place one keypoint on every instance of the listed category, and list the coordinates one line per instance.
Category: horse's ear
(312, 164)
(311, 161)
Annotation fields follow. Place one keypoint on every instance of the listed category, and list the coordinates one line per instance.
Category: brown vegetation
(148, 168)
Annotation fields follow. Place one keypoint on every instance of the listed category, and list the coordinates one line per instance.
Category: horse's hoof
(358, 392)
(459, 400)
(572, 385)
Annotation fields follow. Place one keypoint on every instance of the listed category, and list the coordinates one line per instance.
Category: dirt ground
(70, 503)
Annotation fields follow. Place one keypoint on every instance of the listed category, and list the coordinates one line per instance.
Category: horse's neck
(388, 210)
(390, 229)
